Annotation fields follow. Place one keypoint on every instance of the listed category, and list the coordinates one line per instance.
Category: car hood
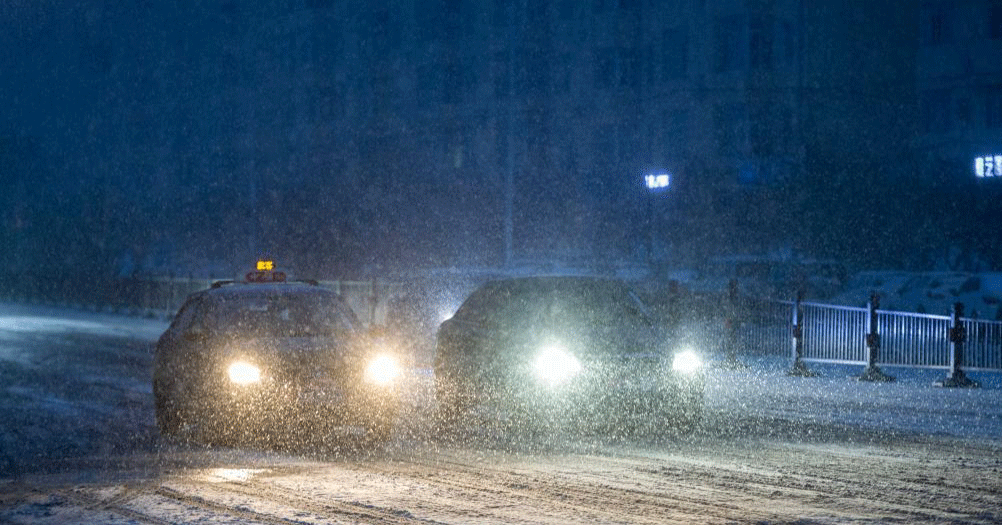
(294, 355)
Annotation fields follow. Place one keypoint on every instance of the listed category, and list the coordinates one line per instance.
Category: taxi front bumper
(296, 409)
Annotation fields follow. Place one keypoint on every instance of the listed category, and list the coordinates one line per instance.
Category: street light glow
(657, 181)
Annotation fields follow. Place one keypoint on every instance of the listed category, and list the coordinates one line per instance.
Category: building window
(935, 30)
(434, 20)
(330, 103)
(537, 71)
(630, 67)
(567, 9)
(993, 108)
(936, 111)
(787, 43)
(963, 112)
(454, 83)
(499, 14)
(731, 126)
(995, 20)
(429, 83)
(760, 43)
(563, 73)
(605, 67)
(499, 74)
(600, 7)
(675, 53)
(677, 128)
(728, 50)
(630, 5)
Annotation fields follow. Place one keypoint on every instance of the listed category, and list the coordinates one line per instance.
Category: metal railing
(834, 334)
(909, 339)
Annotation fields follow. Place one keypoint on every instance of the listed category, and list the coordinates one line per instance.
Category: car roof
(239, 289)
(556, 281)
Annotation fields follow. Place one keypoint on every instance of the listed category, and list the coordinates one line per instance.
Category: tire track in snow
(739, 484)
(271, 493)
(607, 495)
(894, 486)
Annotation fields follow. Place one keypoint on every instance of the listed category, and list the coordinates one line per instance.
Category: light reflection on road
(227, 475)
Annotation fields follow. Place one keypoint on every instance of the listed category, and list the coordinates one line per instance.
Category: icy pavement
(911, 403)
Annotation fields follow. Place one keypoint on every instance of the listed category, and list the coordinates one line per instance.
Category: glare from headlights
(382, 370)
(554, 365)
(244, 373)
(686, 362)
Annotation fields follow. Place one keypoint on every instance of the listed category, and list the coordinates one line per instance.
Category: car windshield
(581, 309)
(588, 304)
(279, 315)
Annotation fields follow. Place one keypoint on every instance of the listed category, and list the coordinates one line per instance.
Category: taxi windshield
(281, 315)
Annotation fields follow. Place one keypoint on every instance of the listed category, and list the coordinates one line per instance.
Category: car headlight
(554, 365)
(382, 370)
(244, 373)
(686, 362)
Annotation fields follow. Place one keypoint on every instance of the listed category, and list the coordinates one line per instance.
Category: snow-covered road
(79, 446)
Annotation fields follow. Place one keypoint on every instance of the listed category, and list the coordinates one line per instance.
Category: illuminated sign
(988, 166)
(265, 277)
(657, 181)
(265, 273)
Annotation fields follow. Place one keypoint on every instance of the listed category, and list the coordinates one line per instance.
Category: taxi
(269, 357)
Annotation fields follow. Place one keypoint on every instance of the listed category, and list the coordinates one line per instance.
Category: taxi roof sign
(265, 273)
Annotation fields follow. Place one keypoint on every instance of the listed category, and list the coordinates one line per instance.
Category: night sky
(349, 141)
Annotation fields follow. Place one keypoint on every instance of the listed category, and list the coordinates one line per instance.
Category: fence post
(958, 335)
(799, 369)
(872, 372)
(731, 328)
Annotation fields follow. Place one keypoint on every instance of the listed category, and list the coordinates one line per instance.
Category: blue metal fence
(909, 339)
(834, 334)
(825, 333)
(983, 349)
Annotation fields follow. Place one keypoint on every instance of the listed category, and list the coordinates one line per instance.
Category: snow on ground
(20, 324)
(911, 403)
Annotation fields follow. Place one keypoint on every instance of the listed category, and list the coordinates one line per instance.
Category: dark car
(243, 360)
(565, 350)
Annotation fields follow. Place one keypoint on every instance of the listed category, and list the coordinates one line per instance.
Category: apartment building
(960, 88)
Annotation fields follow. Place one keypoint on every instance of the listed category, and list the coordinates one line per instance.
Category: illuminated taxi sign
(265, 273)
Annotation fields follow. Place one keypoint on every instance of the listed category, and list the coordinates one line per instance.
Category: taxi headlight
(382, 370)
(554, 365)
(244, 373)
(686, 362)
